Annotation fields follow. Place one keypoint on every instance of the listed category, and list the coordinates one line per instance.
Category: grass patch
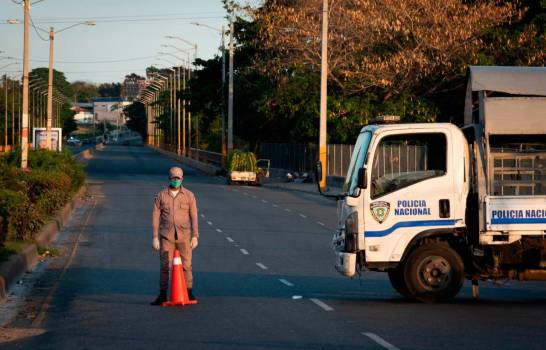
(48, 251)
(10, 248)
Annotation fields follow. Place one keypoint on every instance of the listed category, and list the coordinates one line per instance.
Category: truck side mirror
(318, 171)
(362, 178)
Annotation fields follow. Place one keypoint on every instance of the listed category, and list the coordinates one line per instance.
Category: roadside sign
(40, 138)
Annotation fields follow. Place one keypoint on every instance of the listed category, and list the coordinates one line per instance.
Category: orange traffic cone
(179, 292)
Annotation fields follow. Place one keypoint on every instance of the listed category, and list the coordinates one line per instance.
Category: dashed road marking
(320, 223)
(244, 251)
(286, 282)
(288, 210)
(254, 196)
(380, 341)
(261, 266)
(219, 231)
(203, 216)
(275, 205)
(209, 222)
(230, 239)
(322, 305)
(235, 190)
(303, 216)
(264, 201)
(245, 194)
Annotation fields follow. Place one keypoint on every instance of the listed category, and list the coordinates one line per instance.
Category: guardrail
(207, 157)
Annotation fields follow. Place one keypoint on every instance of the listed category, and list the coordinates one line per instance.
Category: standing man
(175, 226)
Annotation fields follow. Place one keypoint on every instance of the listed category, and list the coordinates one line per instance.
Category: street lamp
(52, 33)
(221, 31)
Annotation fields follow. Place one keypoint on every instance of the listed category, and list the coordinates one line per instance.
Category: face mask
(176, 183)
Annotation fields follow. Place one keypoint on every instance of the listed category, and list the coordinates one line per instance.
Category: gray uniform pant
(166, 252)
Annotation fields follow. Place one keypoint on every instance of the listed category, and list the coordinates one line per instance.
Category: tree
(394, 45)
(136, 118)
(109, 90)
(84, 91)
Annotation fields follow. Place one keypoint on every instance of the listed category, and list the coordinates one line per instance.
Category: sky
(126, 39)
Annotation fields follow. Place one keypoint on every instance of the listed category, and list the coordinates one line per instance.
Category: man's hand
(193, 243)
(155, 243)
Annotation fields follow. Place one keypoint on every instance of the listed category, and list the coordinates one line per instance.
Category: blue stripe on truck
(403, 224)
(518, 221)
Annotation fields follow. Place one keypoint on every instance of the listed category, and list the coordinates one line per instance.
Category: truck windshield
(357, 161)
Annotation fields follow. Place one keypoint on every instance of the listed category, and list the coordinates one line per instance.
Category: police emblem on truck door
(380, 211)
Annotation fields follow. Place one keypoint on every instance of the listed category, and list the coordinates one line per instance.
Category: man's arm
(155, 216)
(194, 218)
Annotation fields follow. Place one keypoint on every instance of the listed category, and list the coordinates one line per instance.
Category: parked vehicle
(432, 204)
(244, 168)
(73, 141)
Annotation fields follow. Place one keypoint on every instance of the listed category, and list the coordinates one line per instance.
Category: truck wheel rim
(434, 273)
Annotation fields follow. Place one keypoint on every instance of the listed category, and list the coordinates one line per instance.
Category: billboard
(40, 138)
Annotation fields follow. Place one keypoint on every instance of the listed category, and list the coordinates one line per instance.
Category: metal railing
(302, 157)
(207, 157)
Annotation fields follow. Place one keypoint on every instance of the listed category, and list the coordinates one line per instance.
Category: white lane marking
(244, 193)
(303, 216)
(288, 210)
(209, 222)
(261, 266)
(244, 251)
(296, 297)
(218, 230)
(322, 305)
(254, 197)
(286, 283)
(235, 190)
(275, 205)
(203, 216)
(320, 223)
(264, 201)
(380, 341)
(230, 239)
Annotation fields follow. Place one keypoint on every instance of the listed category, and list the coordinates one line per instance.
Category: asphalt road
(263, 275)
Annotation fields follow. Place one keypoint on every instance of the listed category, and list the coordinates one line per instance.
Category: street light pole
(24, 133)
(323, 94)
(50, 88)
(230, 88)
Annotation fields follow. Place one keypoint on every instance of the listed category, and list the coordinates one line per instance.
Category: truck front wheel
(434, 272)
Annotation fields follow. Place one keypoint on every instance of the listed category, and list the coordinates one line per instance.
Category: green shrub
(29, 199)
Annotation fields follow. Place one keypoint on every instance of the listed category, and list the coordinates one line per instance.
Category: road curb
(25, 260)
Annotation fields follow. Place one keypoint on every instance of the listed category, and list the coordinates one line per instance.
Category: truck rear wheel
(434, 272)
(396, 277)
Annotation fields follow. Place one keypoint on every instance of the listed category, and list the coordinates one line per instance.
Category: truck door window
(403, 160)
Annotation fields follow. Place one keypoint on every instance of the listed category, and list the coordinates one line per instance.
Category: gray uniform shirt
(175, 215)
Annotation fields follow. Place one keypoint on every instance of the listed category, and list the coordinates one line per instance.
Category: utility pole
(6, 113)
(50, 89)
(223, 105)
(13, 89)
(230, 88)
(323, 93)
(24, 134)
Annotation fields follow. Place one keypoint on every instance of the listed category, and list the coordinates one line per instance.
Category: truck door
(410, 191)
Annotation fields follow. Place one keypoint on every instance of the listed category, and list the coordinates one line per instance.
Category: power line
(95, 62)
(138, 20)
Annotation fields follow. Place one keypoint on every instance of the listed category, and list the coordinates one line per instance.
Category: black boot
(190, 294)
(162, 297)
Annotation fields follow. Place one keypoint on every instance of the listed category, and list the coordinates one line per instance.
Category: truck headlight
(351, 233)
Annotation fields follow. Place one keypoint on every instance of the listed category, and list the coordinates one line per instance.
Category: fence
(302, 157)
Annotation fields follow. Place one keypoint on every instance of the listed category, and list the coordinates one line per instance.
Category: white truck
(433, 204)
